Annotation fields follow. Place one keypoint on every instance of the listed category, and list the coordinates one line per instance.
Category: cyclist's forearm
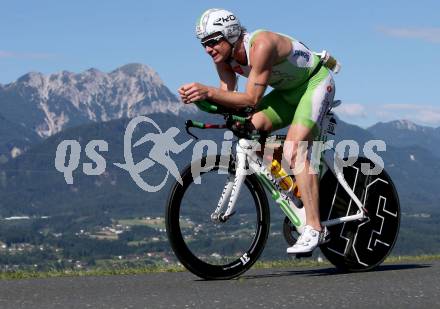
(231, 99)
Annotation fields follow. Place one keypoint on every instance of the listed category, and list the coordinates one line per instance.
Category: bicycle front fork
(233, 184)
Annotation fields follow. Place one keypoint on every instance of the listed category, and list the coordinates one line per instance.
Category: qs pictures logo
(68, 154)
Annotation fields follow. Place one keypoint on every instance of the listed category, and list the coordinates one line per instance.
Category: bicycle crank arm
(303, 255)
(358, 216)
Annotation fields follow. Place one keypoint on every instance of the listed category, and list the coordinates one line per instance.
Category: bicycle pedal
(303, 255)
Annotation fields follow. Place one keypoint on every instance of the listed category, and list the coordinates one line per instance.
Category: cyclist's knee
(296, 154)
(261, 122)
(297, 147)
(290, 151)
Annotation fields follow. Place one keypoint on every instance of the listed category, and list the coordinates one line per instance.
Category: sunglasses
(211, 42)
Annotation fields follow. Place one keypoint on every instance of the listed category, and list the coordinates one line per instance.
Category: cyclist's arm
(228, 78)
(263, 55)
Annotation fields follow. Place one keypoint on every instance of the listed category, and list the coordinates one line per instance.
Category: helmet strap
(236, 46)
(231, 54)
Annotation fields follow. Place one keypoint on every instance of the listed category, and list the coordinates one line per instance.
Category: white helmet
(219, 20)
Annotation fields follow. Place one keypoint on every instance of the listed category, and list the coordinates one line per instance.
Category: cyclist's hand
(193, 92)
(182, 94)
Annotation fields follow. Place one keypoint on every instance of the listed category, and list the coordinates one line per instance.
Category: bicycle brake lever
(189, 124)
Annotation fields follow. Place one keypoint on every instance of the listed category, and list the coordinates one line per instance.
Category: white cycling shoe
(309, 240)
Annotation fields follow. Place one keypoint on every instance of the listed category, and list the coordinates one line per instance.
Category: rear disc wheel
(363, 244)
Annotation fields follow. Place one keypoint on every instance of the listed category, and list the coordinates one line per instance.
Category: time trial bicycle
(218, 221)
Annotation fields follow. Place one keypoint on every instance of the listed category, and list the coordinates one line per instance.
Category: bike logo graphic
(164, 143)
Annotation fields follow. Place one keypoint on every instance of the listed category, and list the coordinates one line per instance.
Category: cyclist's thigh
(315, 101)
(276, 109)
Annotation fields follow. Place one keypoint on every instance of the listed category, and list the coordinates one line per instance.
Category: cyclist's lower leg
(296, 149)
(306, 179)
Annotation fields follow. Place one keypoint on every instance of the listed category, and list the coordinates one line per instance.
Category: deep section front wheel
(363, 244)
(212, 249)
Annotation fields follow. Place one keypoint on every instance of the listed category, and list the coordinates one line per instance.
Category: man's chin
(218, 59)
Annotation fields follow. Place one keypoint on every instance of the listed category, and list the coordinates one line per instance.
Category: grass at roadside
(178, 268)
(316, 263)
(92, 272)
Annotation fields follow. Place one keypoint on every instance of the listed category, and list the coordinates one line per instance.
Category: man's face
(217, 47)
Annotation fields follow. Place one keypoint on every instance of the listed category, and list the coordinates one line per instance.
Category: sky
(389, 50)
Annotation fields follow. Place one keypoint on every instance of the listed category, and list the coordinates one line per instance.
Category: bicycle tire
(182, 244)
(364, 244)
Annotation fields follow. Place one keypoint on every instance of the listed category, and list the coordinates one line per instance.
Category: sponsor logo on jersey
(301, 53)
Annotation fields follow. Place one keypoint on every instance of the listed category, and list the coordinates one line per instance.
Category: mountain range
(37, 106)
(403, 133)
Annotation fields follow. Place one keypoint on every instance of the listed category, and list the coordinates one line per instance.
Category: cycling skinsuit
(302, 91)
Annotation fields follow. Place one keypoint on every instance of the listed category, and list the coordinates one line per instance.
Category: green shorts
(306, 104)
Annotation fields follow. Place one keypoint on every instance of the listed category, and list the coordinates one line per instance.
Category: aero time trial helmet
(219, 20)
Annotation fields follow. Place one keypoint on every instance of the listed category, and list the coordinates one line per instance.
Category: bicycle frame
(248, 162)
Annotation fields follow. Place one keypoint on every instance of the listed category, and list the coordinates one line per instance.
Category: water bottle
(284, 180)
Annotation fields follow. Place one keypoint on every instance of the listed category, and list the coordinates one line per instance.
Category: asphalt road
(390, 286)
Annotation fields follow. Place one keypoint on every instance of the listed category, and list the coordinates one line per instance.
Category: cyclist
(302, 92)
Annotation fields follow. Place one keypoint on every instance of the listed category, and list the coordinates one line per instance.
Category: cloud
(401, 106)
(429, 117)
(9, 54)
(431, 35)
(351, 110)
(6, 54)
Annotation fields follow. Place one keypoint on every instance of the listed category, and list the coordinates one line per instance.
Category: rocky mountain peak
(135, 69)
(138, 71)
(405, 124)
(33, 79)
(51, 103)
(401, 125)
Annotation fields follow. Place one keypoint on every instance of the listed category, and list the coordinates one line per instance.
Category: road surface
(406, 285)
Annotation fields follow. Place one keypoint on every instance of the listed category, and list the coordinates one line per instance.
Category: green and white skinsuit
(302, 90)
